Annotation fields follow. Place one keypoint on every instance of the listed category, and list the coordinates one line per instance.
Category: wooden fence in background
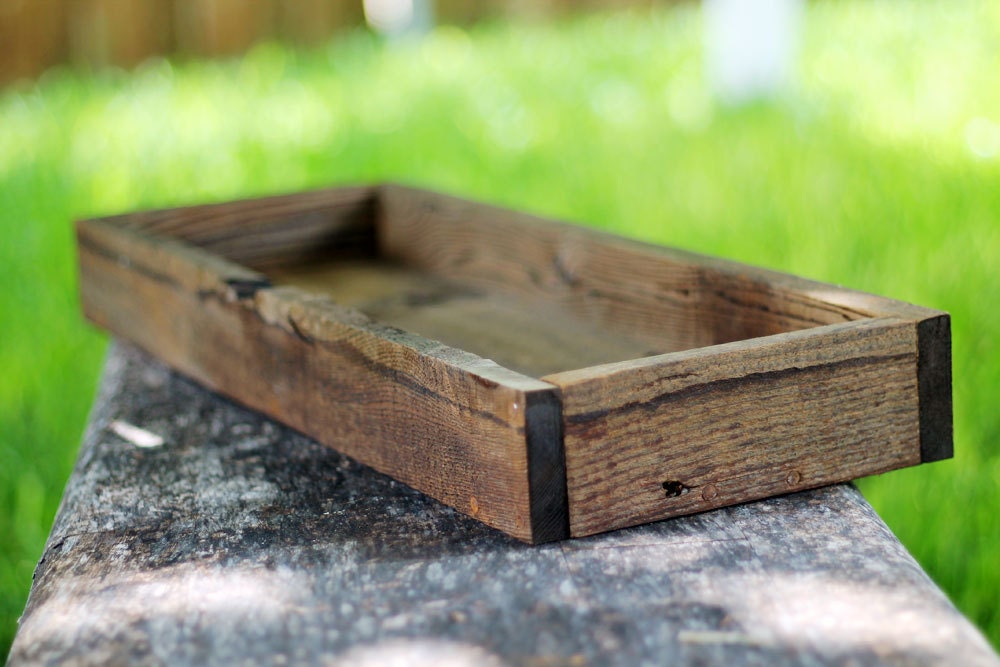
(37, 34)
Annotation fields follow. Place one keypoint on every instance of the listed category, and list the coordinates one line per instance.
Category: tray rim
(187, 266)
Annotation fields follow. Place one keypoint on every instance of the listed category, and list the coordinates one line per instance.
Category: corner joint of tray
(546, 466)
(934, 387)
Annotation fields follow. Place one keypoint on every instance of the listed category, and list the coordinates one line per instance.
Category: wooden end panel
(270, 231)
(934, 373)
(164, 260)
(448, 423)
(687, 432)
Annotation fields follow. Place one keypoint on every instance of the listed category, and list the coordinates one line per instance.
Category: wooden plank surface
(238, 541)
(670, 299)
(530, 336)
(442, 420)
(685, 432)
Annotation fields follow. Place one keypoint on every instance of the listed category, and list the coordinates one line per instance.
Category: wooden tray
(582, 382)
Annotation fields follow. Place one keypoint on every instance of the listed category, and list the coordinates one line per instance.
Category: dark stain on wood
(934, 376)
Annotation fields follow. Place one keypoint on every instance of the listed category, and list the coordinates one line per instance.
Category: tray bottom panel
(535, 338)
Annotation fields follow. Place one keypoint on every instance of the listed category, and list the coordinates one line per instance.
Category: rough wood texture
(239, 541)
(771, 383)
(442, 420)
(271, 231)
(685, 432)
(530, 337)
(675, 383)
(671, 299)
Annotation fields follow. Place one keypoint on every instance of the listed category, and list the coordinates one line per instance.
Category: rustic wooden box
(630, 382)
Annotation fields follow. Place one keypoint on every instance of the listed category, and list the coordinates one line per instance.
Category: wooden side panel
(270, 231)
(687, 432)
(672, 299)
(441, 420)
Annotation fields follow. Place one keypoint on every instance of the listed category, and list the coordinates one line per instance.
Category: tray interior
(535, 296)
(523, 311)
(528, 335)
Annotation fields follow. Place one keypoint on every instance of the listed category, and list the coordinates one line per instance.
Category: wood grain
(669, 299)
(240, 542)
(687, 432)
(533, 337)
(441, 420)
(541, 377)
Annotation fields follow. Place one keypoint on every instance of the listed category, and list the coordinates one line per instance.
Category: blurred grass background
(880, 172)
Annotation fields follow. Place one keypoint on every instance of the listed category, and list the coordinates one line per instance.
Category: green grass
(864, 176)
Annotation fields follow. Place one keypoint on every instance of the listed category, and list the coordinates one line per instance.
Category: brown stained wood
(34, 37)
(180, 265)
(546, 378)
(442, 420)
(687, 432)
(530, 337)
(221, 27)
(313, 22)
(270, 231)
(934, 373)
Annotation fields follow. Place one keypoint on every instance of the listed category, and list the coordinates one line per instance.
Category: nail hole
(674, 489)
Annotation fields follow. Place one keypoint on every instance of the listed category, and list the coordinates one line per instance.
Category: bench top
(238, 540)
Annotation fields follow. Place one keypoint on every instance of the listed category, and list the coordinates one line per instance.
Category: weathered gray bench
(239, 541)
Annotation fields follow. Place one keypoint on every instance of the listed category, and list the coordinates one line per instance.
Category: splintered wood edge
(181, 266)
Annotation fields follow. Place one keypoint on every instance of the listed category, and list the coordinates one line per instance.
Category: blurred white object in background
(751, 46)
(400, 18)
